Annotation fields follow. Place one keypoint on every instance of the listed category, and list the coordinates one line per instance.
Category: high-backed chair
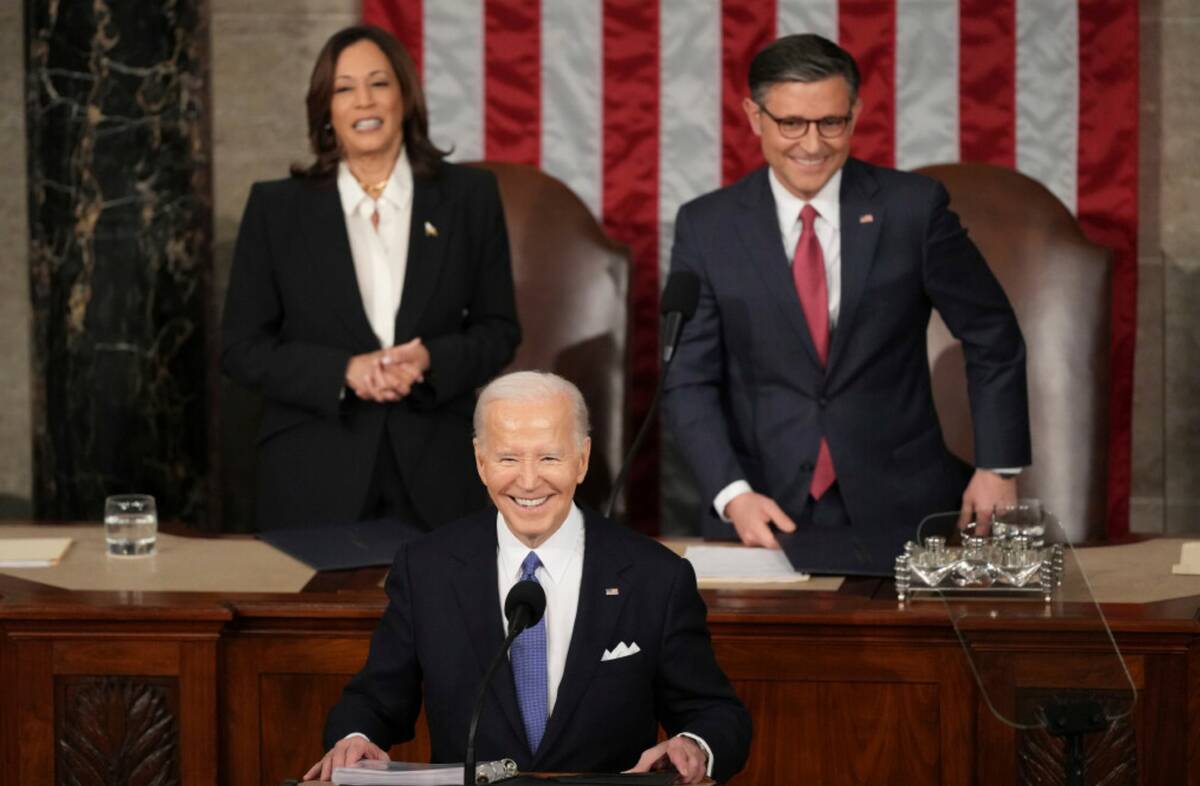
(1058, 283)
(572, 291)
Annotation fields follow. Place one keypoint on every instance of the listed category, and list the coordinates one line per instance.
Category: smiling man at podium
(623, 646)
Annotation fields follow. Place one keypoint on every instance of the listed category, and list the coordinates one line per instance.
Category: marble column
(120, 253)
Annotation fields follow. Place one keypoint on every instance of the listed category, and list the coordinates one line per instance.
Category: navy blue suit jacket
(747, 398)
(294, 317)
(443, 625)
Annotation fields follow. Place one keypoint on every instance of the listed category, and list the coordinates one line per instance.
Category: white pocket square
(622, 650)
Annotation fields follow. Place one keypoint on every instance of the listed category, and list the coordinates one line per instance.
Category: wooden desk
(844, 688)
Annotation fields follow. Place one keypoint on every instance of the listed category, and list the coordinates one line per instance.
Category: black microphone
(679, 300)
(524, 606)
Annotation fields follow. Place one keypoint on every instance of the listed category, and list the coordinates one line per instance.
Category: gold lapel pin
(612, 591)
(864, 219)
(430, 230)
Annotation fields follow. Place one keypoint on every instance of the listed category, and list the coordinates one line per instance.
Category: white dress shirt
(560, 575)
(828, 226)
(380, 253)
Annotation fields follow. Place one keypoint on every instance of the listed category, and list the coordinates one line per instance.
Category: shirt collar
(555, 553)
(397, 191)
(827, 201)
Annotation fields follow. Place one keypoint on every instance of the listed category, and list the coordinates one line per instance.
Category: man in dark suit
(800, 393)
(623, 647)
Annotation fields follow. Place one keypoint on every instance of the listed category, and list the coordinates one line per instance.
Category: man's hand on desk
(986, 491)
(346, 752)
(682, 753)
(752, 514)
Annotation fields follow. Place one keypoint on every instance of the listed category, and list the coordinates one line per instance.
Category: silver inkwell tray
(1014, 559)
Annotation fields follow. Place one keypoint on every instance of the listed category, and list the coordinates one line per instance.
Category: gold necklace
(374, 190)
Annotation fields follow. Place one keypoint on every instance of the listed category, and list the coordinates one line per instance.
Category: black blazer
(747, 398)
(294, 317)
(443, 625)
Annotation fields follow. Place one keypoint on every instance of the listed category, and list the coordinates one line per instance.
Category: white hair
(534, 386)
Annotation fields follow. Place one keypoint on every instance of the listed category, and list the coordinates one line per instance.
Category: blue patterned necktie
(529, 668)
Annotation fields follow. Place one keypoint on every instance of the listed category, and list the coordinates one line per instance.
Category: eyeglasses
(795, 127)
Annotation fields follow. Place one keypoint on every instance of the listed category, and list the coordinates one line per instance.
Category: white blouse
(380, 253)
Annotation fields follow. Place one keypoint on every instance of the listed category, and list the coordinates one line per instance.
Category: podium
(844, 687)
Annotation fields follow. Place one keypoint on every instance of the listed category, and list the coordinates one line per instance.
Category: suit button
(822, 402)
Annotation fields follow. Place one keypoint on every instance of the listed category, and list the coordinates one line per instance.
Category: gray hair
(534, 386)
(804, 57)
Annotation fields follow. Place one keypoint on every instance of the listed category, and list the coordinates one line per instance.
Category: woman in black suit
(371, 294)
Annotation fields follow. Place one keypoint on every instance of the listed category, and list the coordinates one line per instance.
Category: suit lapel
(426, 249)
(862, 220)
(758, 228)
(477, 593)
(324, 225)
(595, 621)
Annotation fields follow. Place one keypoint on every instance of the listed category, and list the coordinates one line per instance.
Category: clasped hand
(388, 374)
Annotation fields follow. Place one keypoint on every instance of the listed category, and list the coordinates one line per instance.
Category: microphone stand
(515, 627)
(671, 339)
(637, 443)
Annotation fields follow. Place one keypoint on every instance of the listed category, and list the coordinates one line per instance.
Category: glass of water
(130, 525)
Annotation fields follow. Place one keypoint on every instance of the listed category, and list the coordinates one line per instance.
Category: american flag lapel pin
(430, 230)
(610, 591)
(865, 218)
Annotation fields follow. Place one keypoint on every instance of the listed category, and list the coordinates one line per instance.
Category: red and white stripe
(636, 105)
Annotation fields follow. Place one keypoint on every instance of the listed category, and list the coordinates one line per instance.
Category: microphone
(523, 607)
(679, 300)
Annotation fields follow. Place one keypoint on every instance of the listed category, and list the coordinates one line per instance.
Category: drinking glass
(1024, 517)
(130, 525)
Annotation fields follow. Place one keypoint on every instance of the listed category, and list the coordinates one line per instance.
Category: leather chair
(1058, 283)
(572, 284)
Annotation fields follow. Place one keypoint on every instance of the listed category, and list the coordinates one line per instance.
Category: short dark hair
(423, 156)
(805, 57)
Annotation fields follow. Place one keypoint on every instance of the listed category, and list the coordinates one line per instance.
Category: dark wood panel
(117, 656)
(116, 731)
(865, 732)
(1110, 755)
(293, 708)
(798, 658)
(292, 716)
(198, 714)
(1165, 723)
(32, 684)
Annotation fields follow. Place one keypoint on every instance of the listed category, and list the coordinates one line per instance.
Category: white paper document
(398, 773)
(741, 563)
(32, 552)
(1189, 559)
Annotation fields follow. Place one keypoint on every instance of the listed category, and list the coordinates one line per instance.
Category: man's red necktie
(808, 273)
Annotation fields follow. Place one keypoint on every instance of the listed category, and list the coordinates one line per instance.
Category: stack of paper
(32, 552)
(734, 563)
(397, 773)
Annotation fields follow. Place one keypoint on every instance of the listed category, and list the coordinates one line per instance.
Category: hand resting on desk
(680, 752)
(347, 751)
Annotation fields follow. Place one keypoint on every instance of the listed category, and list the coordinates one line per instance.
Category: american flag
(635, 104)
